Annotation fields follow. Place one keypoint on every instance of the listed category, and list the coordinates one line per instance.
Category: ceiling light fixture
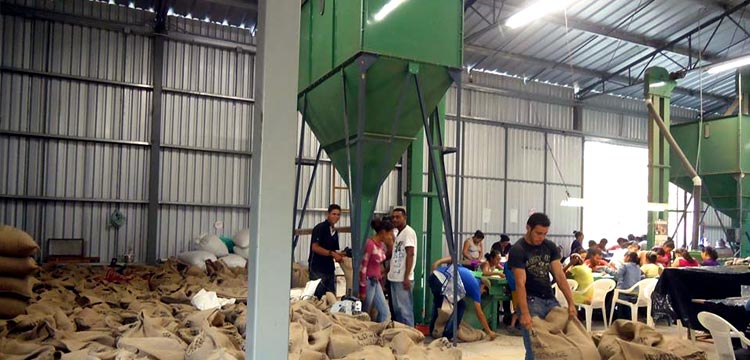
(657, 84)
(573, 202)
(729, 65)
(537, 10)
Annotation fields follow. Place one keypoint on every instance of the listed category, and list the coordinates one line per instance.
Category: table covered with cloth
(677, 287)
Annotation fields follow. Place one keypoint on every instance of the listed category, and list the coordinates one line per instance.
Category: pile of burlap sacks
(558, 337)
(315, 334)
(16, 269)
(75, 313)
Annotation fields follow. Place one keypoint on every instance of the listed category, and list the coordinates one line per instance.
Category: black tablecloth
(677, 287)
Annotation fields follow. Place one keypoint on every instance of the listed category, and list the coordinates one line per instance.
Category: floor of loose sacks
(511, 347)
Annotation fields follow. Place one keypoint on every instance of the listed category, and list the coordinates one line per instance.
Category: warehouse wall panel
(526, 152)
(75, 120)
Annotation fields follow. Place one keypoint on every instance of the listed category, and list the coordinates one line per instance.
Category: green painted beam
(415, 204)
(658, 88)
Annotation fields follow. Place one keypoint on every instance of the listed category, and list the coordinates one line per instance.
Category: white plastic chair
(559, 294)
(722, 332)
(601, 289)
(643, 290)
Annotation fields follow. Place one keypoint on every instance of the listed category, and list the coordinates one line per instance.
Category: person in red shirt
(595, 261)
(370, 272)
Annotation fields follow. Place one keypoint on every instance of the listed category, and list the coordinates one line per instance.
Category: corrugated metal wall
(75, 122)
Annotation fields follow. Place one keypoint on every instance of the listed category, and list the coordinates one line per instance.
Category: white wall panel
(523, 199)
(565, 156)
(484, 150)
(526, 151)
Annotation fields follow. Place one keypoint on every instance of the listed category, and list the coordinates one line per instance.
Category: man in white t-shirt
(401, 273)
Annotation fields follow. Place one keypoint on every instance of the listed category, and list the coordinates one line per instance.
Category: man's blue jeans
(376, 298)
(403, 304)
(537, 307)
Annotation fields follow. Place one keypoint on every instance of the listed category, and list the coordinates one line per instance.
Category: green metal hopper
(723, 155)
(360, 63)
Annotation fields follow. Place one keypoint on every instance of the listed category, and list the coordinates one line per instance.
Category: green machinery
(720, 151)
(372, 74)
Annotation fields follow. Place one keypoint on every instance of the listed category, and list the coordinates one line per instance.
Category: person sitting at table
(492, 266)
(592, 244)
(603, 245)
(628, 275)
(622, 243)
(583, 276)
(580, 251)
(577, 242)
(709, 256)
(595, 261)
(502, 246)
(664, 254)
(683, 259)
(473, 287)
(473, 250)
(651, 269)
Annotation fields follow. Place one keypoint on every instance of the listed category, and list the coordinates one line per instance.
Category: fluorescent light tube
(729, 65)
(537, 10)
(572, 202)
(657, 84)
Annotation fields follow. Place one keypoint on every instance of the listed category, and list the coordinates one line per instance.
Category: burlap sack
(13, 349)
(346, 266)
(11, 285)
(17, 267)
(211, 344)
(10, 307)
(626, 340)
(300, 275)
(16, 243)
(466, 333)
(371, 352)
(156, 347)
(559, 337)
(440, 349)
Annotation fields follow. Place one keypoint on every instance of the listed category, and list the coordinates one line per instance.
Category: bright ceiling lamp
(657, 84)
(657, 207)
(387, 9)
(729, 65)
(536, 10)
(572, 202)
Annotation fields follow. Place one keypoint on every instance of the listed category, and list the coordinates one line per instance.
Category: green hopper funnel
(722, 147)
(360, 62)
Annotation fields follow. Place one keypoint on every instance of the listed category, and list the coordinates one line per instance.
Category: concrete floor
(511, 347)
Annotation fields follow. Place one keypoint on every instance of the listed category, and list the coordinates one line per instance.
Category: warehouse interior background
(76, 119)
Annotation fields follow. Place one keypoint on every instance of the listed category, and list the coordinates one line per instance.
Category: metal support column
(157, 65)
(434, 243)
(415, 205)
(274, 123)
(657, 89)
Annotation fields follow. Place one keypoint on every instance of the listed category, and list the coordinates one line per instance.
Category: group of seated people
(627, 263)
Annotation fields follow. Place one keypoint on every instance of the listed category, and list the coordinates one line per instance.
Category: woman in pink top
(683, 259)
(370, 273)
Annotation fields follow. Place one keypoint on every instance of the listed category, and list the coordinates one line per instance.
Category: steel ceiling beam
(613, 33)
(239, 4)
(684, 36)
(544, 63)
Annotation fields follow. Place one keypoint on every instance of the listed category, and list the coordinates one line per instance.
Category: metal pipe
(740, 233)
(697, 183)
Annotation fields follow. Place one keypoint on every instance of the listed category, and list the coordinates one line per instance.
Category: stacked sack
(212, 247)
(16, 268)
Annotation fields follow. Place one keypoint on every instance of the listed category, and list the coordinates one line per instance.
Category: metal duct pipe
(697, 182)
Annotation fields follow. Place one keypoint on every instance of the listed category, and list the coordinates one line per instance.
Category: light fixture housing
(573, 202)
(536, 10)
(729, 65)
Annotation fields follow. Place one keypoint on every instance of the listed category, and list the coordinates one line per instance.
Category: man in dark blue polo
(324, 247)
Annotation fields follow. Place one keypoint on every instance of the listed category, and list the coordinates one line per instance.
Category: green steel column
(658, 88)
(415, 207)
(435, 241)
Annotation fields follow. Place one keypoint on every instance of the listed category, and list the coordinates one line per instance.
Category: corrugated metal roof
(228, 12)
(602, 37)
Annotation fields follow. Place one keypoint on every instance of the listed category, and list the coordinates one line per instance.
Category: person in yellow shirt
(651, 269)
(583, 276)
